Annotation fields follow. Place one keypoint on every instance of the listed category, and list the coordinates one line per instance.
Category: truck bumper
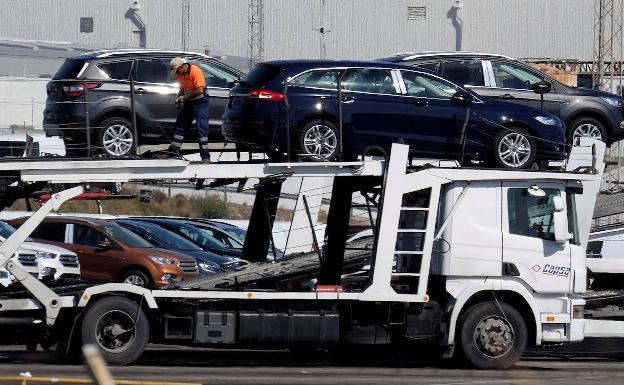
(563, 327)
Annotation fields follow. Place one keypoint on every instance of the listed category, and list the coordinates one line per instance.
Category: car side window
(372, 80)
(531, 216)
(153, 71)
(117, 70)
(466, 72)
(326, 78)
(216, 76)
(54, 232)
(511, 75)
(87, 236)
(423, 85)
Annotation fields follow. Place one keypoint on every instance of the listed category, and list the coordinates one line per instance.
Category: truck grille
(188, 267)
(69, 260)
(27, 259)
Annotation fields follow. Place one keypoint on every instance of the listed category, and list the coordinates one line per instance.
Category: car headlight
(162, 260)
(615, 102)
(548, 120)
(45, 255)
(209, 267)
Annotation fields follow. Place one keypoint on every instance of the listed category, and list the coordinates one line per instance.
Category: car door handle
(419, 103)
(507, 96)
(140, 91)
(348, 99)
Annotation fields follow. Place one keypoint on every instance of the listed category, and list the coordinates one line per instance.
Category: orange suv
(108, 252)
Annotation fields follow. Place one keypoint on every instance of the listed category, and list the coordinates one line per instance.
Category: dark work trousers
(192, 110)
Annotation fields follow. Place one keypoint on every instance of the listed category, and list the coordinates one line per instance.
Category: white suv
(41, 260)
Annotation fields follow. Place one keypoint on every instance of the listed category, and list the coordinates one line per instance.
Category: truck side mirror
(560, 221)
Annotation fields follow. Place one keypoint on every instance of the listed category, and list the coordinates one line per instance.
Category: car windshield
(125, 236)
(155, 233)
(200, 236)
(261, 74)
(220, 236)
(6, 230)
(234, 231)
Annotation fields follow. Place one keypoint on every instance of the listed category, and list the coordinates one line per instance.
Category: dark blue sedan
(381, 104)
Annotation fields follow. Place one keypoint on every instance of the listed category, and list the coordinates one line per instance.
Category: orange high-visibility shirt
(195, 79)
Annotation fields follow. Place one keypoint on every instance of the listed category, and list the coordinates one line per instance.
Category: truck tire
(118, 327)
(491, 335)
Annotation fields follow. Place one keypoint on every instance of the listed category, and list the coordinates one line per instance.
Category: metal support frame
(260, 229)
(49, 299)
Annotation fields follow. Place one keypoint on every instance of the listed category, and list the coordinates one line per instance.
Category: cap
(175, 63)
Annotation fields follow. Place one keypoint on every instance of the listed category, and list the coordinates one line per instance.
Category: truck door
(529, 247)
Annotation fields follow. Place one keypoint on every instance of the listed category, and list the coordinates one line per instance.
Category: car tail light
(266, 95)
(78, 89)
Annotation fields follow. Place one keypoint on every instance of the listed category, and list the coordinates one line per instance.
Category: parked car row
(144, 251)
(480, 107)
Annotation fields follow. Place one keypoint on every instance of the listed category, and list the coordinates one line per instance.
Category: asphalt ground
(596, 361)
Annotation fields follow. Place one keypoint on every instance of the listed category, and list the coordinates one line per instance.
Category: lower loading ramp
(263, 274)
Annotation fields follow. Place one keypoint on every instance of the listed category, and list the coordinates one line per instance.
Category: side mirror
(542, 87)
(104, 245)
(560, 221)
(462, 98)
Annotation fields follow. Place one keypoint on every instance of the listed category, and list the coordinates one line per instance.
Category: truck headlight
(548, 120)
(45, 255)
(162, 260)
(614, 102)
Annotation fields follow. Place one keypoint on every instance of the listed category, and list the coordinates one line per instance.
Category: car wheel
(319, 140)
(137, 278)
(116, 138)
(586, 128)
(118, 327)
(514, 148)
(492, 335)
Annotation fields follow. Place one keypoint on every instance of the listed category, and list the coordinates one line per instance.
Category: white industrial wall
(359, 28)
(22, 102)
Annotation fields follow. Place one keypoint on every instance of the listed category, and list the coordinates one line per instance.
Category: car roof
(69, 218)
(135, 52)
(406, 56)
(309, 64)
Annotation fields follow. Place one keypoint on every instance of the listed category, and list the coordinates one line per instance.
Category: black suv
(586, 112)
(105, 76)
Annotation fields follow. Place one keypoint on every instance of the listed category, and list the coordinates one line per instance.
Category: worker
(194, 100)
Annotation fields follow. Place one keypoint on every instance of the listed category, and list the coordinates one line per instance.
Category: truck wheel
(116, 138)
(513, 148)
(118, 327)
(492, 335)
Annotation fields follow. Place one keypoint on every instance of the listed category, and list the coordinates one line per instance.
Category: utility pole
(186, 14)
(322, 31)
(255, 18)
(607, 68)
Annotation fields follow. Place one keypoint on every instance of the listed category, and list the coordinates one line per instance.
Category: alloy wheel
(585, 130)
(320, 140)
(114, 331)
(494, 336)
(136, 280)
(514, 149)
(118, 140)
